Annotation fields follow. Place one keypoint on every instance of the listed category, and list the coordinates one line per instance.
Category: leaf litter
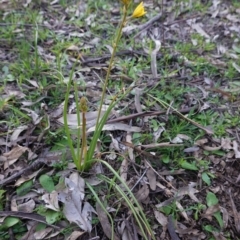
(175, 200)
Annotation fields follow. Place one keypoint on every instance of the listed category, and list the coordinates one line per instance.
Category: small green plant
(84, 156)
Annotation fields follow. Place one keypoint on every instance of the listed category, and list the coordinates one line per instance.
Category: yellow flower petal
(139, 11)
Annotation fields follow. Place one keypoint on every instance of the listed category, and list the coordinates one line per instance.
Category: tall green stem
(115, 43)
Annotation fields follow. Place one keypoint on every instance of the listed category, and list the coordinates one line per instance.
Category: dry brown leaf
(17, 132)
(75, 235)
(210, 211)
(26, 178)
(235, 148)
(93, 179)
(236, 214)
(42, 234)
(13, 155)
(103, 218)
(27, 207)
(74, 209)
(138, 92)
(181, 210)
(30, 103)
(218, 236)
(130, 150)
(142, 194)
(157, 134)
(201, 142)
(226, 143)
(117, 126)
(199, 29)
(124, 169)
(114, 143)
(161, 218)
(152, 179)
(225, 216)
(36, 118)
(72, 119)
(189, 190)
(51, 200)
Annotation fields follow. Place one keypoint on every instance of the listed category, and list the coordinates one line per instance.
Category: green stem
(84, 142)
(115, 43)
(79, 126)
(69, 139)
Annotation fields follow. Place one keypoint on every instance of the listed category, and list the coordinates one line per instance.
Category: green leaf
(166, 209)
(9, 222)
(1, 193)
(24, 188)
(209, 228)
(190, 166)
(165, 159)
(206, 178)
(218, 216)
(40, 226)
(47, 183)
(211, 199)
(52, 216)
(236, 49)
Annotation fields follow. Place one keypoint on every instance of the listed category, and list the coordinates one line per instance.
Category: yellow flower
(139, 11)
(126, 2)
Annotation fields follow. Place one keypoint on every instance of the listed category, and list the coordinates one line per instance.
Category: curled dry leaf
(51, 200)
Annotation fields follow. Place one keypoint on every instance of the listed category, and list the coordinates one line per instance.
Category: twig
(148, 113)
